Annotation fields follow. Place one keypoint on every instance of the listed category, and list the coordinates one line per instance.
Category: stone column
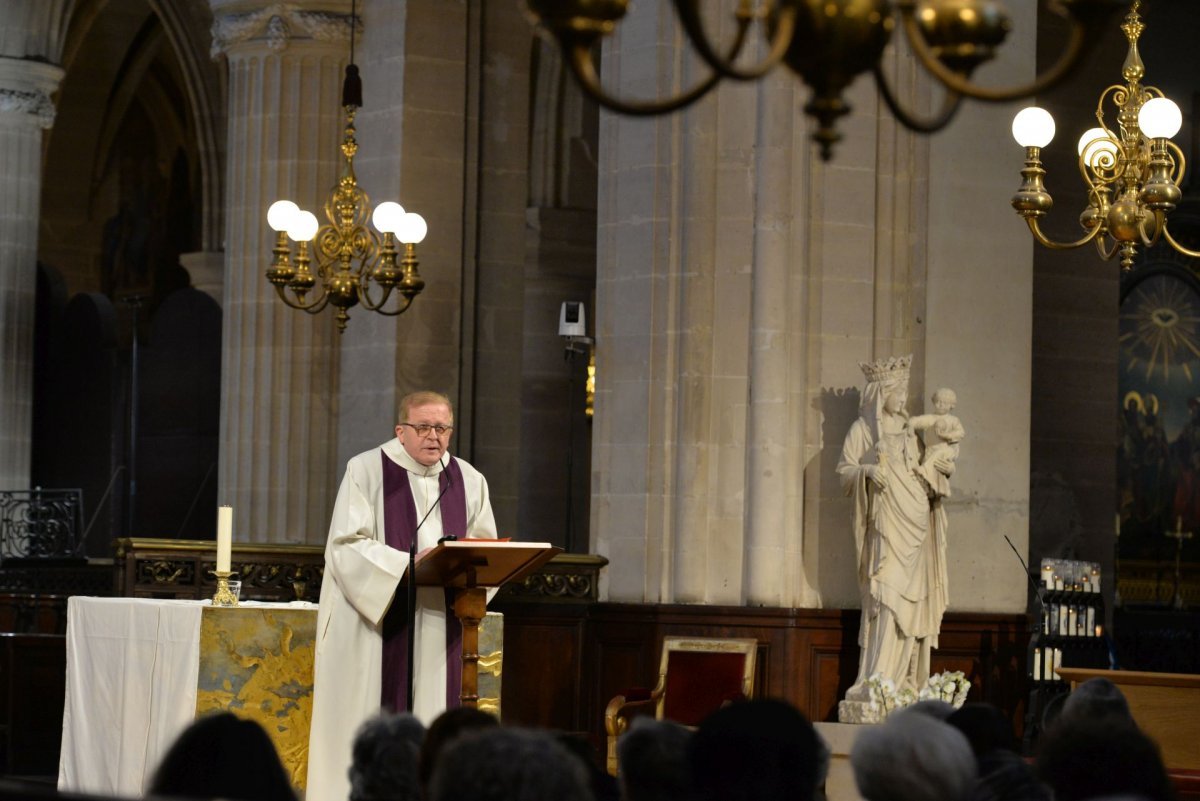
(739, 282)
(30, 43)
(279, 366)
(700, 422)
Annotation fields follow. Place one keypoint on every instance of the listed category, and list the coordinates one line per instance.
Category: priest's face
(419, 433)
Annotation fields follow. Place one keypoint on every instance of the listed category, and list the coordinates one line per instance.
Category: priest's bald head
(426, 423)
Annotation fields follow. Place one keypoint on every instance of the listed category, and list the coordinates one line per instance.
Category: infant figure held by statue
(941, 432)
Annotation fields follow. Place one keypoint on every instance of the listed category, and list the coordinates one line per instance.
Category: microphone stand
(1037, 590)
(1035, 710)
(412, 588)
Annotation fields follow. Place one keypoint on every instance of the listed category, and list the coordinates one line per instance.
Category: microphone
(436, 501)
(1037, 590)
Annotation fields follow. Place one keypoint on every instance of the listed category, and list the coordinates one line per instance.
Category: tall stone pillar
(279, 366)
(30, 44)
(702, 358)
(739, 282)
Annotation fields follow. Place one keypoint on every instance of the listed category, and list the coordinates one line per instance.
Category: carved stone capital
(26, 87)
(276, 26)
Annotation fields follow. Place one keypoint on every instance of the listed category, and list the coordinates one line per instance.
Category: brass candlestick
(223, 596)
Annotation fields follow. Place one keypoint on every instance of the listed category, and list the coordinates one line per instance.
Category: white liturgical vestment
(362, 574)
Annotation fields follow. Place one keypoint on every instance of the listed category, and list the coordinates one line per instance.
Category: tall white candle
(224, 537)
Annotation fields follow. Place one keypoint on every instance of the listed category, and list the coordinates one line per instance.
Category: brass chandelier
(349, 255)
(828, 43)
(1132, 170)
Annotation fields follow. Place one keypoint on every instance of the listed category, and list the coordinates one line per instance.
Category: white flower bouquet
(950, 686)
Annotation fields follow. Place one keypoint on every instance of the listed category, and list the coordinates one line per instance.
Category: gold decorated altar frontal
(258, 664)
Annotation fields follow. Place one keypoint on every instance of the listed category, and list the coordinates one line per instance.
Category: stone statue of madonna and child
(897, 481)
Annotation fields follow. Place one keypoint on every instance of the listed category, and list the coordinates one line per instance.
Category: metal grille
(40, 523)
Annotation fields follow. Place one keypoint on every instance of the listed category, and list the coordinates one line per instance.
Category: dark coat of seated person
(1005, 776)
(1085, 758)
(222, 756)
(985, 727)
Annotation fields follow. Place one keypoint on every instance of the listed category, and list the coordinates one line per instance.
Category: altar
(140, 670)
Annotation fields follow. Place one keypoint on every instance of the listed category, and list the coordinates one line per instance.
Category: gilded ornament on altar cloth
(258, 664)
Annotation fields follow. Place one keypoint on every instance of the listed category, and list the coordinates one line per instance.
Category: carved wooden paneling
(543, 653)
(808, 657)
(33, 614)
(160, 568)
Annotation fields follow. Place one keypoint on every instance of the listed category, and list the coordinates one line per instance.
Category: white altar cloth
(132, 668)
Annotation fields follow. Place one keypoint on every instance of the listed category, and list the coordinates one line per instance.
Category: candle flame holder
(223, 596)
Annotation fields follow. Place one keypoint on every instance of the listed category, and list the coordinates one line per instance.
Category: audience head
(445, 728)
(1096, 699)
(508, 764)
(1006, 776)
(1085, 759)
(653, 760)
(933, 707)
(223, 756)
(985, 728)
(385, 753)
(604, 787)
(752, 750)
(912, 757)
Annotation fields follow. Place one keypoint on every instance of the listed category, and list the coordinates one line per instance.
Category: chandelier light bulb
(304, 226)
(1160, 118)
(1130, 170)
(412, 229)
(1093, 142)
(351, 266)
(281, 213)
(388, 217)
(1033, 127)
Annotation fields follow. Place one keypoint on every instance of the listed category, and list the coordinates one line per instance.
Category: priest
(408, 487)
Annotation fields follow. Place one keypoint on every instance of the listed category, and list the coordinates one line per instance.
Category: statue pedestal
(857, 712)
(839, 785)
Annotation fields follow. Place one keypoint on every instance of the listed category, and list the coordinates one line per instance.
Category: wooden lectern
(470, 568)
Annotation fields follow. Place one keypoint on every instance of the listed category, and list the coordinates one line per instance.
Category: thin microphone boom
(1037, 591)
(412, 583)
(437, 500)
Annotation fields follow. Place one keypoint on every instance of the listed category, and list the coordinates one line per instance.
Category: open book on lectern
(481, 562)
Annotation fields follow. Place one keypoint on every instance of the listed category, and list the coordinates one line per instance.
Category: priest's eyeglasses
(422, 429)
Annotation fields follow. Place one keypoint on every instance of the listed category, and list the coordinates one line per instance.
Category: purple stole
(399, 525)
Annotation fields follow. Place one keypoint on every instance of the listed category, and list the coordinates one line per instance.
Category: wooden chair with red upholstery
(696, 676)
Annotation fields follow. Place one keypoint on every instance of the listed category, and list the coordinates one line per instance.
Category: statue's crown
(893, 368)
